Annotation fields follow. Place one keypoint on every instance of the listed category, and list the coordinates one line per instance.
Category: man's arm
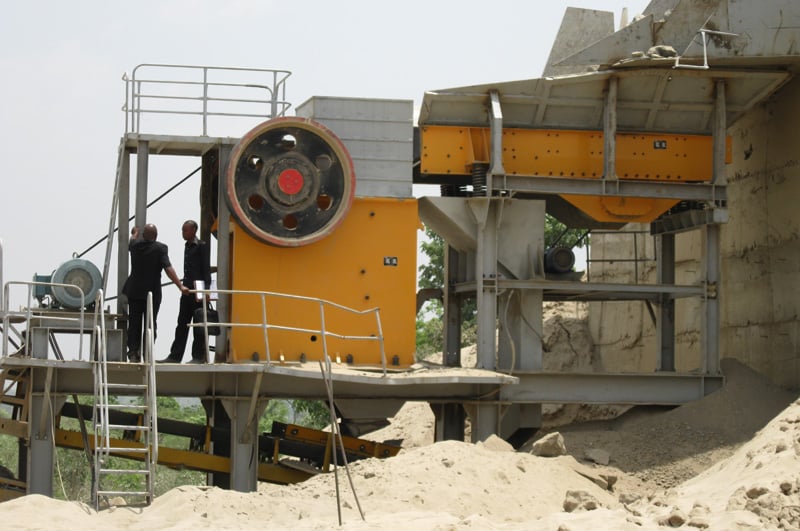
(173, 276)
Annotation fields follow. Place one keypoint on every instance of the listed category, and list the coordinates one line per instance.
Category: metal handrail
(142, 90)
(265, 326)
(28, 314)
(152, 402)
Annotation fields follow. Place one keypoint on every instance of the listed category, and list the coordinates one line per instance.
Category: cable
(151, 203)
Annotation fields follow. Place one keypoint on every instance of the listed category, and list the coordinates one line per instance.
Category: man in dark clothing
(196, 267)
(148, 258)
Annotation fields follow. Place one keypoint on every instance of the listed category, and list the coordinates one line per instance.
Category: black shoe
(195, 361)
(168, 359)
(134, 356)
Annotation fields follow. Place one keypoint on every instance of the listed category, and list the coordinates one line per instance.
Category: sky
(62, 92)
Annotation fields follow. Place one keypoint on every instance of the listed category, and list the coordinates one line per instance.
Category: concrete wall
(760, 271)
(761, 242)
(624, 334)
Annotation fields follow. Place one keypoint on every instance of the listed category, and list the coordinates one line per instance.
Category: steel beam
(563, 290)
(688, 220)
(437, 385)
(607, 388)
(599, 187)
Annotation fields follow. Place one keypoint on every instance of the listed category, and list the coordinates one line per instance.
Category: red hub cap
(290, 181)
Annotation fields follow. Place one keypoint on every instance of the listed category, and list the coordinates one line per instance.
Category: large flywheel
(290, 182)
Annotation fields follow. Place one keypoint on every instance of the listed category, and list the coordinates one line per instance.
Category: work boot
(134, 356)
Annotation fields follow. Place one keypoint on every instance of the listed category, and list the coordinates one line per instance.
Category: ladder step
(123, 471)
(12, 400)
(128, 427)
(126, 386)
(125, 449)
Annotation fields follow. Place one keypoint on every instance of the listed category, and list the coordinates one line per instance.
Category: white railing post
(266, 327)
(322, 328)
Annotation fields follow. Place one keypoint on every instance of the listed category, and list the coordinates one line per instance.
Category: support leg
(665, 325)
(710, 332)
(40, 457)
(244, 443)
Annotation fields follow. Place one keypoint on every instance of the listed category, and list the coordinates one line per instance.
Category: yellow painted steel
(369, 261)
(352, 445)
(175, 458)
(617, 209)
(577, 154)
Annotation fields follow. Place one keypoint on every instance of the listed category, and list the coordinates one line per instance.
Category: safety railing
(264, 324)
(203, 92)
(26, 315)
(152, 401)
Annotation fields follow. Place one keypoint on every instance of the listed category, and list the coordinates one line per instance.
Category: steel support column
(711, 321)
(244, 442)
(123, 228)
(449, 418)
(485, 278)
(142, 161)
(223, 256)
(665, 324)
(452, 307)
(610, 131)
(496, 126)
(719, 134)
(41, 451)
(485, 419)
(449, 422)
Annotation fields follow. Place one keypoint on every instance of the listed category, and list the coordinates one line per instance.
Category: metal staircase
(15, 392)
(115, 477)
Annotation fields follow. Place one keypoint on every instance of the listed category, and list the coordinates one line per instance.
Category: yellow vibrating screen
(577, 154)
(300, 234)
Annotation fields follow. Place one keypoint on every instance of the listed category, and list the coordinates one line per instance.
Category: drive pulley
(290, 182)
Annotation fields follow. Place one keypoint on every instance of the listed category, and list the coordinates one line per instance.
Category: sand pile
(743, 478)
(728, 461)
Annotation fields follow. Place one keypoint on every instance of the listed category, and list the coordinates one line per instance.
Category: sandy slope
(730, 461)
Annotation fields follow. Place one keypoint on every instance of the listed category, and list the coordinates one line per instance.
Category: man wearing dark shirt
(196, 267)
(148, 258)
